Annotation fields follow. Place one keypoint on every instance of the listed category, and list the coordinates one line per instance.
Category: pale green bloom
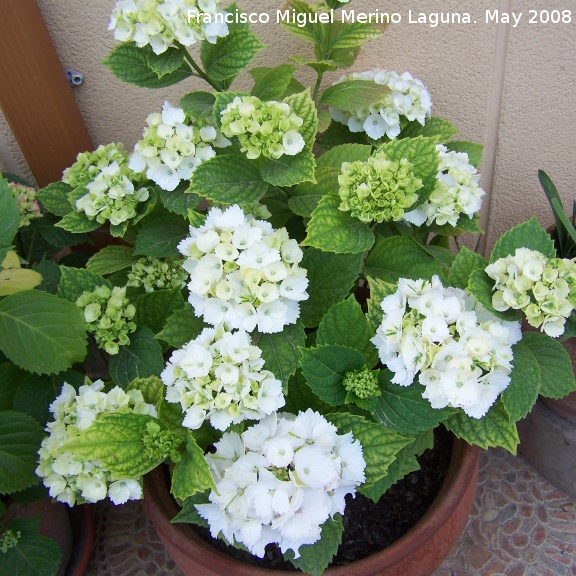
(9, 540)
(89, 164)
(157, 274)
(27, 202)
(363, 382)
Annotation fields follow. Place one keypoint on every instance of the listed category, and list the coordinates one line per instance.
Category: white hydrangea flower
(219, 377)
(543, 288)
(280, 481)
(243, 273)
(76, 481)
(172, 147)
(457, 350)
(408, 100)
(163, 23)
(457, 192)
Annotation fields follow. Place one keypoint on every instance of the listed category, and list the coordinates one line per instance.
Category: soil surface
(370, 527)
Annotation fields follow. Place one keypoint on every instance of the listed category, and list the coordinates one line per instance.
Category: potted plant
(284, 319)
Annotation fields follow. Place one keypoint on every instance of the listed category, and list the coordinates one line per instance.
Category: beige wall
(512, 89)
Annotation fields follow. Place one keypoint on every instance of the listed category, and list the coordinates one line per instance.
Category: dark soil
(370, 527)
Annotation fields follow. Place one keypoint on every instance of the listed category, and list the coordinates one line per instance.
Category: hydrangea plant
(266, 291)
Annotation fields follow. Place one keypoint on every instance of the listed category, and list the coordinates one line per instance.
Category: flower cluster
(161, 23)
(27, 202)
(280, 481)
(457, 191)
(108, 314)
(157, 274)
(172, 148)
(71, 479)
(243, 272)
(88, 165)
(408, 100)
(269, 129)
(362, 382)
(379, 189)
(543, 288)
(463, 353)
(9, 540)
(219, 376)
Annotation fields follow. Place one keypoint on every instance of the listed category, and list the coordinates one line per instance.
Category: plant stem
(200, 73)
(317, 86)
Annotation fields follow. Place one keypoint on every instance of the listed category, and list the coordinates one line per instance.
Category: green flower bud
(9, 540)
(362, 382)
(156, 274)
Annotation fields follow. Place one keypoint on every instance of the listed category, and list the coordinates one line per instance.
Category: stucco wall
(512, 89)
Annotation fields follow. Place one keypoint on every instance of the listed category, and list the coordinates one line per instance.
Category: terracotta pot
(566, 406)
(418, 553)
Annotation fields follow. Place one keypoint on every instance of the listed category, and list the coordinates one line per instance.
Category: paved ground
(520, 525)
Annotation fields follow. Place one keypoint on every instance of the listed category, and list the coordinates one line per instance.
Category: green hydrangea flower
(363, 382)
(27, 202)
(161, 443)
(379, 189)
(108, 314)
(157, 274)
(89, 164)
(9, 540)
(263, 128)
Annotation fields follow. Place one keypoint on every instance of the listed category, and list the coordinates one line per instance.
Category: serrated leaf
(140, 359)
(54, 198)
(300, 397)
(111, 259)
(398, 257)
(13, 280)
(198, 105)
(345, 325)
(480, 286)
(351, 35)
(379, 445)
(494, 430)
(306, 196)
(314, 558)
(74, 281)
(160, 235)
(153, 309)
(34, 396)
(289, 170)
(475, 151)
(338, 134)
(179, 201)
(77, 223)
(192, 474)
(33, 555)
(166, 63)
(40, 332)
(20, 438)
(324, 120)
(526, 235)
(325, 367)
(10, 378)
(9, 213)
(332, 230)
(434, 127)
(344, 153)
(50, 272)
(117, 441)
(302, 105)
(351, 95)
(188, 512)
(229, 180)
(378, 291)
(464, 225)
(230, 55)
(465, 263)
(171, 416)
(130, 64)
(330, 277)
(271, 83)
(403, 409)
(152, 388)
(181, 327)
(308, 31)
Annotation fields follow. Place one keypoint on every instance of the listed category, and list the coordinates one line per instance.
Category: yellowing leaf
(15, 280)
(11, 260)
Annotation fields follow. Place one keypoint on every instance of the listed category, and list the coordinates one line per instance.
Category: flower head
(157, 274)
(27, 203)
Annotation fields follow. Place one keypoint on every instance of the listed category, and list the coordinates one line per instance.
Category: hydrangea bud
(362, 382)
(27, 203)
(157, 274)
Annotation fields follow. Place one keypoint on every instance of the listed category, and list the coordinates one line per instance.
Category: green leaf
(179, 201)
(230, 55)
(307, 30)
(480, 286)
(330, 276)
(303, 106)
(152, 389)
(314, 558)
(54, 198)
(403, 409)
(77, 223)
(301, 397)
(379, 445)
(188, 513)
(228, 179)
(434, 127)
(526, 235)
(154, 309)
(50, 272)
(140, 359)
(10, 378)
(20, 438)
(74, 281)
(306, 196)
(339, 134)
(117, 441)
(192, 474)
(465, 263)
(324, 120)
(40, 332)
(166, 63)
(494, 430)
(198, 105)
(325, 367)
(351, 95)
(181, 327)
(398, 257)
(171, 416)
(352, 35)
(344, 153)
(271, 83)
(334, 231)
(378, 291)
(160, 235)
(289, 170)
(9, 214)
(35, 394)
(475, 151)
(111, 259)
(130, 64)
(221, 101)
(554, 364)
(345, 324)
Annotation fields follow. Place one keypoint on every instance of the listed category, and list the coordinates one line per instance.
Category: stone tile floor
(520, 525)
